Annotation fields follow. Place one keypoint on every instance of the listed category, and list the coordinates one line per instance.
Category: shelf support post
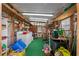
(77, 5)
(12, 29)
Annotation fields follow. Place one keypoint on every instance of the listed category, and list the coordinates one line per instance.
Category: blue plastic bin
(22, 43)
(18, 46)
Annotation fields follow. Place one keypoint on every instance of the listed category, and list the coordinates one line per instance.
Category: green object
(60, 31)
(4, 46)
(55, 33)
(35, 48)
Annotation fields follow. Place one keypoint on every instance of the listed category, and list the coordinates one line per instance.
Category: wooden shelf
(11, 14)
(59, 39)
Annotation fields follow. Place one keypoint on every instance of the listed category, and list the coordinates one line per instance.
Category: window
(65, 24)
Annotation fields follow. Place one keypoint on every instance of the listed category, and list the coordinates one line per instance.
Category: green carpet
(35, 48)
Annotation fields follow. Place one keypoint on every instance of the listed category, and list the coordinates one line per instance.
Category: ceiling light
(37, 14)
(38, 18)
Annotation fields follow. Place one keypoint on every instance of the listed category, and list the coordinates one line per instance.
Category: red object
(4, 37)
(24, 33)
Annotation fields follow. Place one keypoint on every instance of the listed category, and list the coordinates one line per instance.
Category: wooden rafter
(66, 14)
(13, 12)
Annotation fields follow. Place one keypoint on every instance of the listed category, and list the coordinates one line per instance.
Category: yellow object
(63, 51)
(13, 53)
(20, 54)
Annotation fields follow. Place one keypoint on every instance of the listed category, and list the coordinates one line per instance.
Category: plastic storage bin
(18, 46)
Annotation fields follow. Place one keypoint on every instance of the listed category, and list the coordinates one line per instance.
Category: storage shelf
(59, 39)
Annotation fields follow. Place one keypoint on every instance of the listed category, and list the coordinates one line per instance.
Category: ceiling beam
(66, 14)
(6, 8)
(13, 12)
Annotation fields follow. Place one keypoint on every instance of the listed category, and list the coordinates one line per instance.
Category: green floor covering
(35, 48)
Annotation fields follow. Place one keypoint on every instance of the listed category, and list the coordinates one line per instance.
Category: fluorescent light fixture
(35, 23)
(38, 19)
(37, 14)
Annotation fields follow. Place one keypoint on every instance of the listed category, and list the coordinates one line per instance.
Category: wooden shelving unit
(12, 13)
(70, 14)
(4, 35)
